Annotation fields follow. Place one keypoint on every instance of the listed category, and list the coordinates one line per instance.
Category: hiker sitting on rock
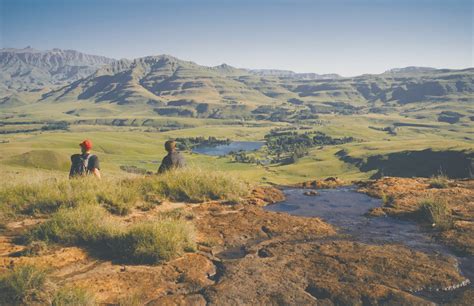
(173, 160)
(85, 163)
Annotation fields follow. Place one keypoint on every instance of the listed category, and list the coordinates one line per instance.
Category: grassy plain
(141, 147)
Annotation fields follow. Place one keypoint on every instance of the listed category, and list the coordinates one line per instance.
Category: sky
(348, 37)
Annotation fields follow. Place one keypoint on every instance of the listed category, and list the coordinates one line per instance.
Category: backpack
(80, 165)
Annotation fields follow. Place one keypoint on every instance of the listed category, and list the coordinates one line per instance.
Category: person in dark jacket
(85, 163)
(173, 160)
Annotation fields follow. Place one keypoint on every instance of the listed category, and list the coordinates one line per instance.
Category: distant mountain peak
(410, 69)
(30, 69)
(292, 74)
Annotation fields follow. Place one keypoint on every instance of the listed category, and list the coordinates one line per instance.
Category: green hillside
(395, 120)
(166, 86)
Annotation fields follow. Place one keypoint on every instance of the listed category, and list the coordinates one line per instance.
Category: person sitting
(173, 160)
(85, 163)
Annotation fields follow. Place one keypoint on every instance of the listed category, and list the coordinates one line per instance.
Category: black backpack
(80, 165)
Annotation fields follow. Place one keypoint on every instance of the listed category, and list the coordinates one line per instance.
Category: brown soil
(247, 255)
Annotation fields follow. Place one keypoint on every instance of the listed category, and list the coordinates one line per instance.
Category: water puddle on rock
(345, 208)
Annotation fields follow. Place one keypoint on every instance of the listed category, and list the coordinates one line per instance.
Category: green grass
(83, 225)
(196, 185)
(439, 181)
(24, 285)
(156, 241)
(144, 242)
(120, 195)
(50, 195)
(73, 296)
(133, 146)
(436, 213)
(44, 159)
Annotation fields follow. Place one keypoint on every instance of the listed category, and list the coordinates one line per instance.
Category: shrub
(436, 213)
(439, 181)
(153, 242)
(73, 296)
(24, 284)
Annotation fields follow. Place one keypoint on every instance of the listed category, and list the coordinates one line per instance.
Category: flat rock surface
(249, 256)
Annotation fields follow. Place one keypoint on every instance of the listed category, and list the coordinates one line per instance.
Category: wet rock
(376, 212)
(264, 253)
(406, 194)
(251, 224)
(338, 272)
(311, 193)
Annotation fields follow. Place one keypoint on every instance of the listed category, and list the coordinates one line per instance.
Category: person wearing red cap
(84, 163)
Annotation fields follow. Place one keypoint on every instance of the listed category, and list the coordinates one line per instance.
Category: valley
(348, 190)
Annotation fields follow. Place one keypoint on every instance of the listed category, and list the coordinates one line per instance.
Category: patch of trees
(295, 101)
(392, 130)
(243, 157)
(158, 124)
(48, 126)
(283, 114)
(288, 146)
(59, 125)
(189, 143)
(175, 111)
(343, 108)
(449, 117)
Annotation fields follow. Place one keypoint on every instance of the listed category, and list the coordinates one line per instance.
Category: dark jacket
(172, 161)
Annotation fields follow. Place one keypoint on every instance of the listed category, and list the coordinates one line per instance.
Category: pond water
(345, 208)
(225, 149)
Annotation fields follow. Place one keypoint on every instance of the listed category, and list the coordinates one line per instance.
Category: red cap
(86, 144)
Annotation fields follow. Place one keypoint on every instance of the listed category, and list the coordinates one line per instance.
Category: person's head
(170, 146)
(86, 146)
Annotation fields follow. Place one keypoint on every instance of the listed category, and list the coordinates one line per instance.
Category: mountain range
(168, 86)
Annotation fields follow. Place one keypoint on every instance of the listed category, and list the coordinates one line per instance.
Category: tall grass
(144, 242)
(119, 195)
(435, 212)
(439, 181)
(85, 224)
(74, 296)
(49, 196)
(196, 185)
(24, 284)
(161, 240)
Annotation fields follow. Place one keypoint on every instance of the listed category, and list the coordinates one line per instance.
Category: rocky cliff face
(30, 69)
(157, 84)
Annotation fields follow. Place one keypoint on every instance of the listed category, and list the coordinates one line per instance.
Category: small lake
(345, 208)
(235, 146)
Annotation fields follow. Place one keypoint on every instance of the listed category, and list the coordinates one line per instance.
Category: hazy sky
(348, 37)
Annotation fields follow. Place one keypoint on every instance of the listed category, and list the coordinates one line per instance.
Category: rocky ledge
(249, 256)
